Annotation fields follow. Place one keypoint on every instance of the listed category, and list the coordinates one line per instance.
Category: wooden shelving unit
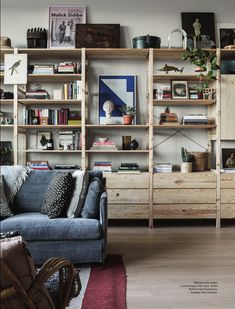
(140, 195)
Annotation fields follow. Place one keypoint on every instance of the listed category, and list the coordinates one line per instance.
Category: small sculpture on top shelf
(108, 107)
(186, 165)
(167, 68)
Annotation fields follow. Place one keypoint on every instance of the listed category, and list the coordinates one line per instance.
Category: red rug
(106, 288)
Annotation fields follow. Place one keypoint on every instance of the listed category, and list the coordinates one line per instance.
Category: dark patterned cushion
(58, 195)
(5, 210)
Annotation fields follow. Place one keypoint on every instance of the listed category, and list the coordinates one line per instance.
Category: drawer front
(185, 181)
(184, 211)
(128, 211)
(228, 211)
(134, 181)
(184, 196)
(128, 196)
(228, 196)
(228, 181)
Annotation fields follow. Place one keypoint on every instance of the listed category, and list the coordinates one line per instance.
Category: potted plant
(128, 113)
(186, 165)
(204, 61)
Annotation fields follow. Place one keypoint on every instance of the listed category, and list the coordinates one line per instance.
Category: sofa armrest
(104, 221)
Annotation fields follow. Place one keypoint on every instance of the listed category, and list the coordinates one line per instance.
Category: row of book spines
(73, 90)
(55, 117)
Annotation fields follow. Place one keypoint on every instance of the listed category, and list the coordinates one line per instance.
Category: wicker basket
(200, 161)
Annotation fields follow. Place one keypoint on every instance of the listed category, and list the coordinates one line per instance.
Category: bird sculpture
(14, 66)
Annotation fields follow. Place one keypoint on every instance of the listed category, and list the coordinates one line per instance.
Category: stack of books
(66, 167)
(129, 168)
(2, 68)
(108, 145)
(37, 94)
(105, 166)
(38, 165)
(43, 69)
(168, 118)
(195, 119)
(67, 67)
(162, 168)
(74, 118)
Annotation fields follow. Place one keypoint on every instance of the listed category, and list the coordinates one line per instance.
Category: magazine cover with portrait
(62, 25)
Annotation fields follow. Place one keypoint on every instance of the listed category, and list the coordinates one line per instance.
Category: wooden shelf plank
(181, 126)
(38, 127)
(116, 126)
(53, 78)
(118, 151)
(41, 53)
(190, 102)
(116, 53)
(49, 102)
(169, 77)
(7, 126)
(171, 53)
(52, 151)
(6, 101)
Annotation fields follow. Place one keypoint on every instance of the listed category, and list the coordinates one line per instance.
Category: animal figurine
(168, 68)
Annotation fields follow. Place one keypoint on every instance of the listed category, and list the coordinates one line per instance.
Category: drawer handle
(117, 194)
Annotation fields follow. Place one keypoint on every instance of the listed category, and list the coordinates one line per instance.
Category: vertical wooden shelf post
(83, 109)
(15, 117)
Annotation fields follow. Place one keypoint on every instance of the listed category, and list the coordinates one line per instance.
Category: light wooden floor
(163, 263)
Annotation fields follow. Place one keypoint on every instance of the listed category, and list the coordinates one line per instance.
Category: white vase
(186, 167)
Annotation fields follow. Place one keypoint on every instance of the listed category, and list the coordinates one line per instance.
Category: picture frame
(15, 69)
(43, 121)
(226, 155)
(42, 138)
(179, 89)
(200, 29)
(226, 37)
(121, 91)
(62, 25)
(97, 35)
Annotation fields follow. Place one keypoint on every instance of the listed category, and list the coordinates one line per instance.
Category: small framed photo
(44, 121)
(228, 157)
(179, 89)
(227, 37)
(42, 138)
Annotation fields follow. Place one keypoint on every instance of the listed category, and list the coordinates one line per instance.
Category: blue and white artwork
(120, 90)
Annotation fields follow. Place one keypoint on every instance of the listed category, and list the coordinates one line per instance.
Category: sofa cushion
(82, 196)
(37, 226)
(58, 195)
(30, 196)
(5, 210)
(81, 179)
(91, 206)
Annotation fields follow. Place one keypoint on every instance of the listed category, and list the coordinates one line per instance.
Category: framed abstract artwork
(115, 91)
(200, 29)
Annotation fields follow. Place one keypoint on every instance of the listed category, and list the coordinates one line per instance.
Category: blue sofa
(79, 240)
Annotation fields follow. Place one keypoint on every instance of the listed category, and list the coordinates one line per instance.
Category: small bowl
(103, 139)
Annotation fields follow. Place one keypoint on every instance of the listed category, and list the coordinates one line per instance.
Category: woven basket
(200, 161)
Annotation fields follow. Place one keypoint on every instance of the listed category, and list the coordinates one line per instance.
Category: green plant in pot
(186, 165)
(204, 61)
(128, 113)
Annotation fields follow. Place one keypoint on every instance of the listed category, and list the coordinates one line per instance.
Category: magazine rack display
(134, 190)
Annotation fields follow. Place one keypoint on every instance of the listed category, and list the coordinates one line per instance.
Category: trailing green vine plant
(205, 60)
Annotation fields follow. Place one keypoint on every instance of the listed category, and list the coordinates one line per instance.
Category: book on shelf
(69, 140)
(73, 90)
(103, 166)
(46, 69)
(38, 165)
(162, 168)
(108, 145)
(129, 168)
(66, 167)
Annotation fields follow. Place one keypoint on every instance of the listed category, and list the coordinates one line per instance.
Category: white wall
(137, 17)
